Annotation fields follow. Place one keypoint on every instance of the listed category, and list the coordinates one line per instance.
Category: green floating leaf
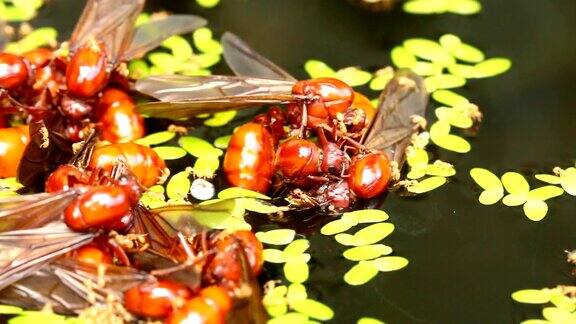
(426, 68)
(345, 239)
(203, 40)
(222, 141)
(10, 184)
(237, 192)
(535, 321)
(205, 167)
(313, 309)
(449, 98)
(402, 58)
(220, 119)
(296, 272)
(549, 178)
(353, 76)
(178, 186)
(318, 69)
(367, 252)
(426, 185)
(443, 81)
(381, 79)
(208, 3)
(296, 292)
(258, 206)
(138, 69)
(545, 193)
(365, 216)
(440, 169)
(515, 183)
(390, 263)
(425, 7)
(281, 236)
(156, 138)
(337, 226)
(361, 273)
(289, 318)
(535, 210)
(165, 62)
(463, 70)
(460, 50)
(369, 320)
(198, 147)
(563, 302)
(568, 180)
(452, 143)
(492, 67)
(170, 152)
(464, 7)
(10, 310)
(295, 248)
(273, 256)
(558, 315)
(512, 200)
(373, 234)
(429, 50)
(455, 117)
(493, 189)
(179, 46)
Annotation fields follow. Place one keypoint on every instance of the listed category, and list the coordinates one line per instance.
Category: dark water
(465, 258)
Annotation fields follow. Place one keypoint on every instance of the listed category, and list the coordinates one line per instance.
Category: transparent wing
(31, 211)
(110, 22)
(63, 284)
(245, 61)
(151, 34)
(179, 87)
(25, 251)
(403, 98)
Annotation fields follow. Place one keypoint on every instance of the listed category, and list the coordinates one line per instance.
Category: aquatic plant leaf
(568, 180)
(205, 167)
(296, 271)
(178, 186)
(464, 7)
(10, 310)
(440, 169)
(289, 318)
(222, 142)
(179, 46)
(337, 226)
(295, 248)
(372, 234)
(156, 138)
(426, 185)
(138, 69)
(492, 67)
(491, 196)
(449, 98)
(455, 117)
(198, 147)
(313, 309)
(367, 252)
(535, 210)
(390, 263)
(361, 273)
(548, 178)
(221, 118)
(203, 40)
(425, 7)
(369, 320)
(403, 58)
(429, 50)
(40, 37)
(515, 183)
(485, 179)
(345, 239)
(461, 51)
(545, 193)
(563, 302)
(281, 236)
(273, 256)
(296, 292)
(452, 143)
(463, 70)
(426, 68)
(366, 216)
(353, 76)
(444, 81)
(558, 315)
(237, 192)
(512, 200)
(381, 79)
(318, 69)
(170, 152)
(208, 3)
(259, 206)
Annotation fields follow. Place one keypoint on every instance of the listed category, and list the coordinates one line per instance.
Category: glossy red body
(196, 310)
(121, 123)
(155, 300)
(252, 248)
(363, 103)
(369, 175)
(92, 254)
(86, 72)
(39, 57)
(143, 161)
(65, 177)
(297, 158)
(13, 141)
(334, 96)
(217, 297)
(100, 207)
(75, 108)
(13, 71)
(248, 162)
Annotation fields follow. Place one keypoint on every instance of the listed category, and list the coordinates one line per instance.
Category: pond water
(465, 258)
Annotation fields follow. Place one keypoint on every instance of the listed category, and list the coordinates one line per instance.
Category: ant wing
(151, 34)
(110, 22)
(170, 88)
(193, 219)
(243, 60)
(404, 98)
(32, 211)
(44, 153)
(25, 251)
(64, 284)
